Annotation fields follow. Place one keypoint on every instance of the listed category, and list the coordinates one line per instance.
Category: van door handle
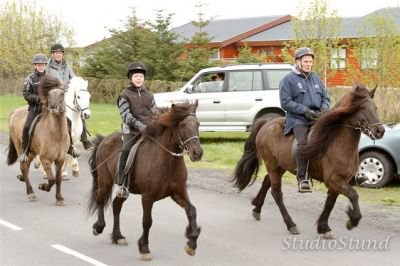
(258, 99)
(216, 101)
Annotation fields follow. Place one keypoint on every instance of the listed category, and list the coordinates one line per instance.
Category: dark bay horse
(50, 139)
(332, 149)
(159, 171)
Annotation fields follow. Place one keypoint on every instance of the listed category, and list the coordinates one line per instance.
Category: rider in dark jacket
(137, 106)
(304, 97)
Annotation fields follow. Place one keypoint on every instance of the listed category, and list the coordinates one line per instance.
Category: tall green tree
(377, 51)
(318, 28)
(26, 29)
(198, 52)
(247, 56)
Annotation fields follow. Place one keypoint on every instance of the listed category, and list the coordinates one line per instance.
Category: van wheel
(269, 116)
(377, 168)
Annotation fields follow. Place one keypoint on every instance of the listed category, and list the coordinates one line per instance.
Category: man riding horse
(304, 97)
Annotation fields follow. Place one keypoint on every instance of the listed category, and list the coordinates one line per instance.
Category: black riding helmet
(302, 52)
(136, 67)
(57, 48)
(39, 59)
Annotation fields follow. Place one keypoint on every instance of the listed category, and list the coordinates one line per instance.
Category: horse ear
(196, 103)
(372, 92)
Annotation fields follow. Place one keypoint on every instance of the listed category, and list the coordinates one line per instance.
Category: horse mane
(168, 118)
(326, 128)
(46, 84)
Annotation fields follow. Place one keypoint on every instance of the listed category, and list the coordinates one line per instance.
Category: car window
(209, 82)
(274, 76)
(245, 81)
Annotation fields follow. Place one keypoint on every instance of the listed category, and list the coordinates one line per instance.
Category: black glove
(311, 115)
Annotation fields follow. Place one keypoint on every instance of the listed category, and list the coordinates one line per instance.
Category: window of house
(338, 58)
(369, 58)
(267, 51)
(214, 55)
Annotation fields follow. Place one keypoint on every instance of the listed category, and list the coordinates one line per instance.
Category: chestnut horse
(49, 140)
(158, 171)
(332, 149)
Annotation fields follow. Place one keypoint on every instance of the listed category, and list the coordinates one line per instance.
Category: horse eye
(79, 97)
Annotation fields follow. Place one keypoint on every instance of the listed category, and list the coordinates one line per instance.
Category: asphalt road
(41, 233)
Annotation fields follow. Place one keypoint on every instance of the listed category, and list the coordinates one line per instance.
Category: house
(268, 35)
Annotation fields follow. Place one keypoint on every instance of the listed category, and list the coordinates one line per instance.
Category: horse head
(78, 97)
(51, 94)
(365, 111)
(188, 133)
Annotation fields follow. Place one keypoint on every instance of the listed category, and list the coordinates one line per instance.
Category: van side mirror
(190, 88)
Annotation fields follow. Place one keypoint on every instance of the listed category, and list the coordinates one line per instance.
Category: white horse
(77, 100)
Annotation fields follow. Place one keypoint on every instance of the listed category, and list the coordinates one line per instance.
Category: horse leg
(192, 230)
(344, 188)
(322, 223)
(64, 173)
(276, 191)
(24, 167)
(50, 177)
(117, 237)
(59, 168)
(143, 242)
(99, 225)
(75, 166)
(258, 201)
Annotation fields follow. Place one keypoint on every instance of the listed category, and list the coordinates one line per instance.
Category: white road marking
(10, 225)
(78, 255)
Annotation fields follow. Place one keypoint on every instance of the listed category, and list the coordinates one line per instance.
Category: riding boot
(123, 191)
(84, 137)
(25, 145)
(301, 175)
(72, 150)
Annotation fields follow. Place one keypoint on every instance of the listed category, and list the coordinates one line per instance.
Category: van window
(274, 76)
(209, 82)
(245, 81)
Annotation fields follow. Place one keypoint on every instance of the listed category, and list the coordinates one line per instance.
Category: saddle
(24, 156)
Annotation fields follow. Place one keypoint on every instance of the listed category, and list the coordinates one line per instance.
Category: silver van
(231, 97)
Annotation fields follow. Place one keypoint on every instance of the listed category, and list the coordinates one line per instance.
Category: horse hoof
(95, 232)
(349, 225)
(294, 231)
(32, 197)
(21, 178)
(60, 203)
(146, 257)
(329, 235)
(257, 216)
(41, 186)
(64, 178)
(122, 242)
(190, 251)
(75, 173)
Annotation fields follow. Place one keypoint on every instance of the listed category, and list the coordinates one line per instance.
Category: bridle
(366, 128)
(182, 144)
(76, 103)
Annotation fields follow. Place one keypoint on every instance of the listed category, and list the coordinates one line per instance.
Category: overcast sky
(92, 19)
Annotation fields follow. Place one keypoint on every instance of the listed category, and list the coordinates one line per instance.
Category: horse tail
(96, 202)
(12, 153)
(247, 168)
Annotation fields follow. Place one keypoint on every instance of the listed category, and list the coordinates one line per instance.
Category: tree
(26, 30)
(149, 43)
(198, 52)
(377, 52)
(317, 28)
(247, 56)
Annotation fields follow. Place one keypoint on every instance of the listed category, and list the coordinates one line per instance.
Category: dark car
(379, 159)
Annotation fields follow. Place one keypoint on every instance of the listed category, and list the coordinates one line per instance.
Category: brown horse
(158, 171)
(50, 139)
(332, 149)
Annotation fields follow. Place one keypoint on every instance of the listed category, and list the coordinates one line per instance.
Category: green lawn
(222, 150)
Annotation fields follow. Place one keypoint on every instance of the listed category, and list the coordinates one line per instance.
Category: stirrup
(23, 158)
(304, 186)
(122, 192)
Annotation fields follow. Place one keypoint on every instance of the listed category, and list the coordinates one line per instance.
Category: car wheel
(376, 168)
(269, 116)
